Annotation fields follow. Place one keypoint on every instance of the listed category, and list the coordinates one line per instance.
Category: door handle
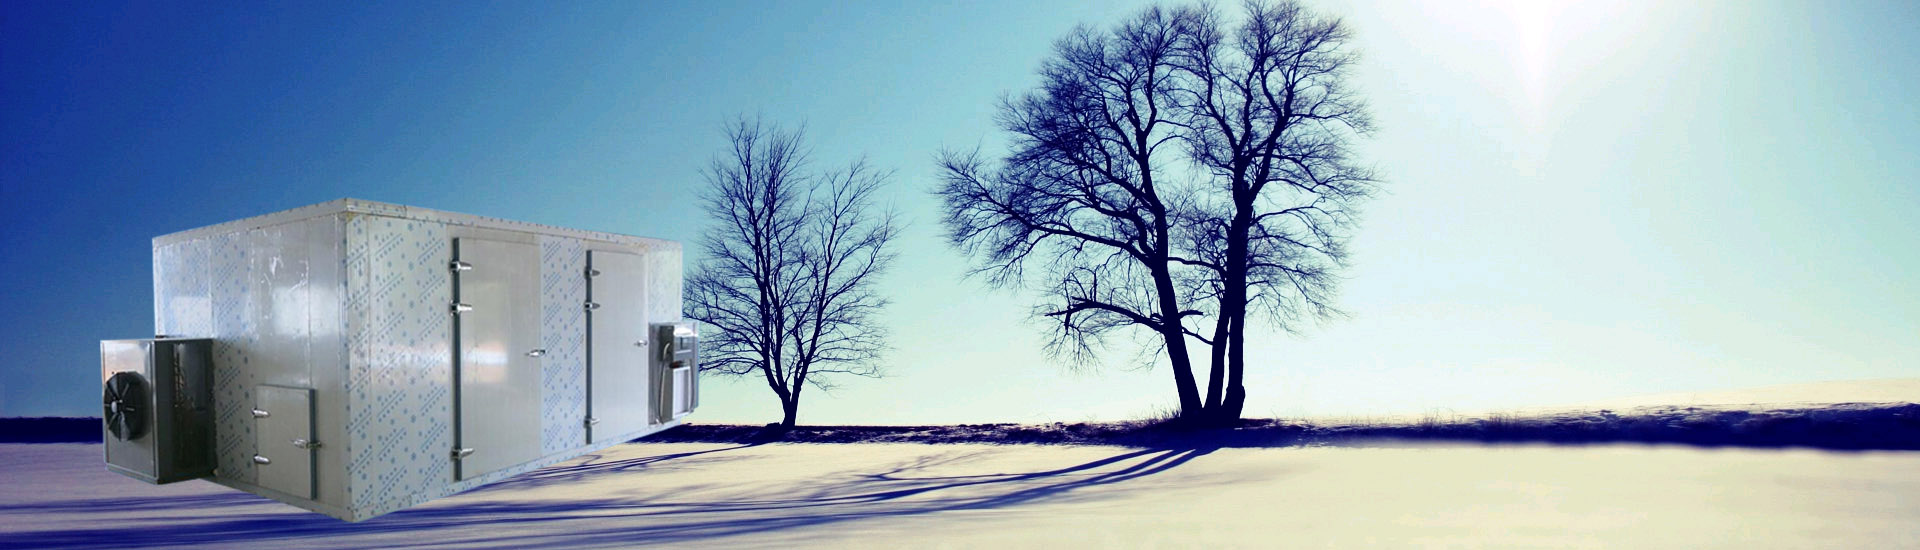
(257, 413)
(257, 459)
(462, 453)
(536, 353)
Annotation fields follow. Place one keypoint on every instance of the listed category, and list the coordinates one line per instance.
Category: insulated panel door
(498, 300)
(617, 335)
(283, 453)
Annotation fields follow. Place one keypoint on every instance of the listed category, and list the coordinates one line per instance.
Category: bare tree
(787, 282)
(1269, 115)
(1126, 232)
(1082, 200)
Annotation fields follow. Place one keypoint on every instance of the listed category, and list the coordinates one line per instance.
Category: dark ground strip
(50, 429)
(1847, 426)
(1843, 426)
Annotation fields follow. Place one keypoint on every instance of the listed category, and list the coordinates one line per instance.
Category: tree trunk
(1233, 310)
(1216, 363)
(1176, 340)
(1184, 384)
(1236, 400)
(1236, 366)
(791, 408)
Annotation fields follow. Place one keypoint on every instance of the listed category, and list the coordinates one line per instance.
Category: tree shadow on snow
(664, 518)
(590, 466)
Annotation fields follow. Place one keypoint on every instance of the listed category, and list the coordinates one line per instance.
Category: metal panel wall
(563, 328)
(181, 302)
(617, 371)
(663, 288)
(416, 476)
(499, 353)
(269, 296)
(327, 354)
(400, 372)
(276, 305)
(232, 331)
(398, 460)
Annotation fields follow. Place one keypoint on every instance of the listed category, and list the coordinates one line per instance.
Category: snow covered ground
(1020, 496)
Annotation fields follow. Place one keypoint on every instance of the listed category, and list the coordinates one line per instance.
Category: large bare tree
(1082, 207)
(1251, 215)
(786, 286)
(1270, 117)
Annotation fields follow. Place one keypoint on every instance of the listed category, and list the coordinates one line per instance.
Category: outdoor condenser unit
(354, 358)
(157, 407)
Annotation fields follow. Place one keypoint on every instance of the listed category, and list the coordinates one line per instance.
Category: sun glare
(1533, 27)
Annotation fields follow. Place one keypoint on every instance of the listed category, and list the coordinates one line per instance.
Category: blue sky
(1583, 201)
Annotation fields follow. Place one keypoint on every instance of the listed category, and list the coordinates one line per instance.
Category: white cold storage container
(367, 357)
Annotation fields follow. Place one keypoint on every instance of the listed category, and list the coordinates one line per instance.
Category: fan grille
(124, 405)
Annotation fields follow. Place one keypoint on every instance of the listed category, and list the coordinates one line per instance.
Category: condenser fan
(124, 406)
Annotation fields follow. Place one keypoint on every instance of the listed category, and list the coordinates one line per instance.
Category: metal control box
(157, 408)
(365, 357)
(674, 369)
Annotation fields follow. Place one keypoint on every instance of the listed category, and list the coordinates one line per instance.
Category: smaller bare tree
(787, 283)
